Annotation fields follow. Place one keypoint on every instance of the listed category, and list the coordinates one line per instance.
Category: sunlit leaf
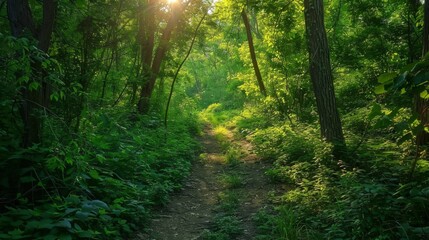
(379, 89)
(424, 94)
(386, 77)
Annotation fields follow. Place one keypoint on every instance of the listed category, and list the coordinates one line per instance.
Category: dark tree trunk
(413, 44)
(321, 73)
(20, 18)
(422, 105)
(22, 24)
(252, 53)
(151, 75)
(147, 34)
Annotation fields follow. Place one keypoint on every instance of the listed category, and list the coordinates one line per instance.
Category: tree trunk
(143, 104)
(252, 53)
(321, 73)
(22, 23)
(422, 105)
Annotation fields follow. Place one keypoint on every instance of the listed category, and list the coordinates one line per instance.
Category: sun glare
(171, 1)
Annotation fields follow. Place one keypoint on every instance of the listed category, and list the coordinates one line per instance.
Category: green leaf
(375, 111)
(100, 204)
(380, 89)
(33, 86)
(94, 174)
(386, 77)
(424, 94)
(64, 224)
(420, 78)
(409, 67)
(401, 80)
(82, 215)
(54, 96)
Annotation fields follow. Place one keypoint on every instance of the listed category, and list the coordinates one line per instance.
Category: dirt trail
(192, 210)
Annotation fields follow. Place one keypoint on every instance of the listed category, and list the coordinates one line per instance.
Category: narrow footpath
(216, 193)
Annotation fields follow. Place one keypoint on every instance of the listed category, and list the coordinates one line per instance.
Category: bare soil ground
(192, 210)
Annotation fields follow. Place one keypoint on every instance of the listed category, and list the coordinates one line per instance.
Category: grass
(233, 155)
(231, 181)
(223, 136)
(282, 225)
(226, 224)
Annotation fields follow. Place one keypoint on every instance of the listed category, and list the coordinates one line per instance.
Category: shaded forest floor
(220, 198)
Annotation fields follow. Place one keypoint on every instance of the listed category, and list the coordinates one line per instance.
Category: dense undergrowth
(367, 194)
(101, 184)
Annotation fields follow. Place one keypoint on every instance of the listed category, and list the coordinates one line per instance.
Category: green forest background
(89, 148)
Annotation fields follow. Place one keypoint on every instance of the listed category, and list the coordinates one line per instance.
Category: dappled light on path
(192, 211)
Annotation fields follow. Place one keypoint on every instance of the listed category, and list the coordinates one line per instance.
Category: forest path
(216, 192)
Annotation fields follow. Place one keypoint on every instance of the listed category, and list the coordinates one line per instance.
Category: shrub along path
(221, 196)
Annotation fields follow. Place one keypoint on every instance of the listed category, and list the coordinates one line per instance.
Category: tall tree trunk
(252, 53)
(21, 21)
(143, 104)
(147, 33)
(321, 73)
(422, 105)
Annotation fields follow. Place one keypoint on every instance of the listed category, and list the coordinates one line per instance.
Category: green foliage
(101, 185)
(224, 228)
(290, 146)
(226, 224)
(100, 168)
(283, 224)
(411, 82)
(412, 78)
(233, 155)
(231, 181)
(69, 218)
(368, 198)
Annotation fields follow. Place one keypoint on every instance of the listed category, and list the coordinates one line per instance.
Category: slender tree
(321, 72)
(252, 53)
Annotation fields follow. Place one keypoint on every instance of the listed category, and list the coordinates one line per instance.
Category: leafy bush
(287, 146)
(100, 185)
(369, 196)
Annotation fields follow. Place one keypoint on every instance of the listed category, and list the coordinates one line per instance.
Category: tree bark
(321, 73)
(252, 53)
(22, 24)
(147, 32)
